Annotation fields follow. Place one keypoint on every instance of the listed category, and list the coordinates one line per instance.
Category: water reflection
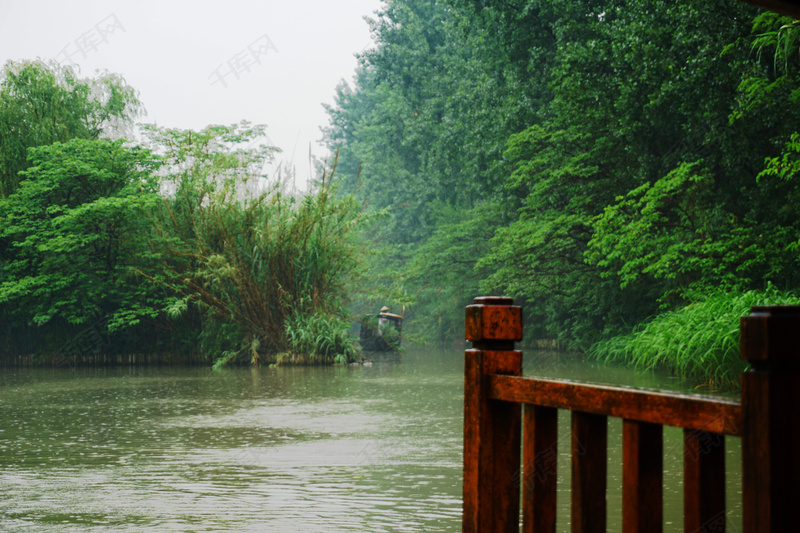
(284, 449)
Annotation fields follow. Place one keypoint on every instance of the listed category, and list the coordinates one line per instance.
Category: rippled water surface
(367, 448)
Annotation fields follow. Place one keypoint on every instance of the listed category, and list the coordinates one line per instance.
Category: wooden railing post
(589, 469)
(770, 342)
(703, 481)
(491, 427)
(642, 477)
(540, 470)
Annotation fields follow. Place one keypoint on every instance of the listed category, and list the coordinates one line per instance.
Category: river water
(290, 449)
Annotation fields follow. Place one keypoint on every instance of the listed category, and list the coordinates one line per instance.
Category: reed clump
(699, 342)
(265, 276)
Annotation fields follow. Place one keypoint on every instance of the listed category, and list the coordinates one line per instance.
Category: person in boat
(372, 335)
(383, 318)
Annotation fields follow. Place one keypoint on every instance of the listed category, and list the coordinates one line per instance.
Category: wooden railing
(767, 419)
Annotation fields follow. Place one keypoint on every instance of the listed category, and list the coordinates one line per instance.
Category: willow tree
(44, 102)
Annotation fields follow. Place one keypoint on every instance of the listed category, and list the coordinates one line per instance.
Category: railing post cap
(769, 333)
(493, 318)
(493, 300)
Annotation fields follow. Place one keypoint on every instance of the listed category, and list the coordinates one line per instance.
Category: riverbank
(100, 360)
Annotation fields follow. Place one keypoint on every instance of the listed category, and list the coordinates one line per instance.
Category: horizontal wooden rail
(657, 407)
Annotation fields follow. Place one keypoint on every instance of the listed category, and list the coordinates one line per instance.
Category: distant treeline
(600, 162)
(174, 246)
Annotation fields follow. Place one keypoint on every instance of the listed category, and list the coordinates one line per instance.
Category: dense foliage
(74, 228)
(607, 164)
(601, 162)
(177, 244)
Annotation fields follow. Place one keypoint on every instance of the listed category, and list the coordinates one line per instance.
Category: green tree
(426, 121)
(638, 89)
(617, 143)
(42, 103)
(675, 230)
(78, 235)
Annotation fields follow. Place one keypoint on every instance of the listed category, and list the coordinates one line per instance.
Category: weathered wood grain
(767, 419)
(492, 429)
(642, 477)
(493, 319)
(669, 409)
(703, 482)
(539, 468)
(771, 419)
(589, 468)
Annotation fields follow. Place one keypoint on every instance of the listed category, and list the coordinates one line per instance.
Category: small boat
(381, 332)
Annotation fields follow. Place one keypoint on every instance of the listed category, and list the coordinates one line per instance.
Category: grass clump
(699, 342)
(318, 339)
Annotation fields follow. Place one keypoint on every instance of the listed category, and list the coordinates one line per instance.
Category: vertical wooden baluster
(589, 465)
(642, 477)
(473, 416)
(770, 343)
(539, 460)
(703, 481)
(491, 427)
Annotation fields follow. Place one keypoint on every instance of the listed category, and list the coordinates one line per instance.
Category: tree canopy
(176, 243)
(76, 231)
(622, 157)
(42, 103)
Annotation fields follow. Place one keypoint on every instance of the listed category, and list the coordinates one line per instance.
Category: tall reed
(699, 342)
(265, 270)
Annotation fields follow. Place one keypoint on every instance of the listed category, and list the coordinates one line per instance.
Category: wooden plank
(506, 435)
(491, 446)
(589, 466)
(771, 419)
(642, 477)
(539, 471)
(703, 482)
(472, 418)
(657, 407)
(770, 461)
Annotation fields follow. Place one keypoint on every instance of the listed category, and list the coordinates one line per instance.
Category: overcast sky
(196, 63)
